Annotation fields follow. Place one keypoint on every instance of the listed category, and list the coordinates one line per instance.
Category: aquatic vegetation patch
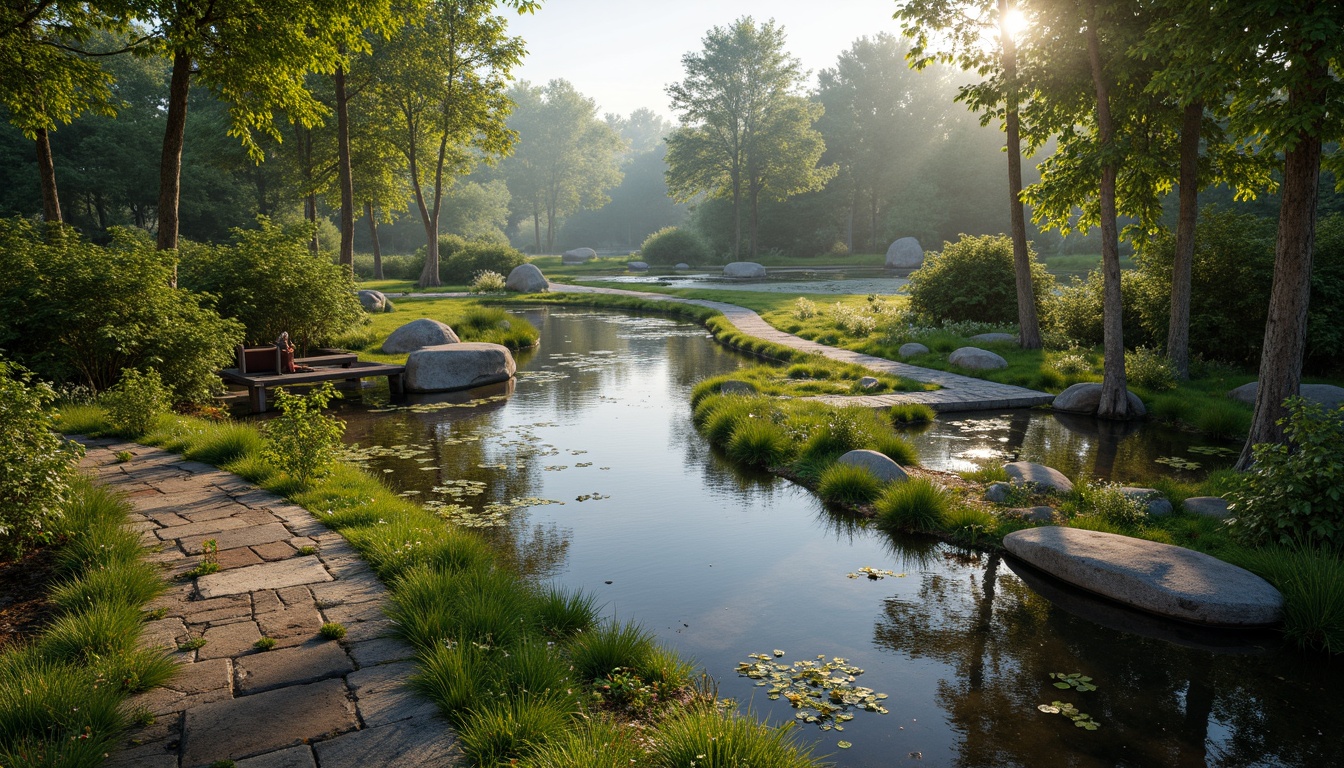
(1080, 719)
(874, 574)
(822, 690)
(1073, 680)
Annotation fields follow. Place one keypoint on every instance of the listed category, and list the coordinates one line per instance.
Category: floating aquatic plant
(1080, 719)
(822, 690)
(1077, 681)
(1176, 462)
(874, 574)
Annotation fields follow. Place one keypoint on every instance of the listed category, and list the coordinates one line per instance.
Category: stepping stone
(878, 464)
(1208, 506)
(265, 722)
(422, 741)
(250, 536)
(294, 757)
(1163, 579)
(283, 573)
(1045, 478)
(305, 664)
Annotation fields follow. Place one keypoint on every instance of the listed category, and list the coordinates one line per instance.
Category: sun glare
(1016, 23)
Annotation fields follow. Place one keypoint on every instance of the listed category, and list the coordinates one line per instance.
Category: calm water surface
(591, 464)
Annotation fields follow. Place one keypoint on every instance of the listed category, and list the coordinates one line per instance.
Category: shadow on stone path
(308, 702)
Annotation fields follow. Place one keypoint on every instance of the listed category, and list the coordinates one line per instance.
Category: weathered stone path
(309, 702)
(958, 393)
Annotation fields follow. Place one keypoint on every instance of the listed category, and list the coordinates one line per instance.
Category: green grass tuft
(224, 443)
(915, 505)
(845, 484)
(595, 654)
(1222, 418)
(703, 736)
(1312, 583)
(759, 443)
(564, 613)
(911, 413)
(502, 730)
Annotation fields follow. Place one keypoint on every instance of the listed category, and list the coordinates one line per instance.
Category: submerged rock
(905, 253)
(977, 359)
(1086, 397)
(419, 334)
(1043, 477)
(881, 465)
(1160, 578)
(911, 349)
(458, 366)
(526, 278)
(744, 270)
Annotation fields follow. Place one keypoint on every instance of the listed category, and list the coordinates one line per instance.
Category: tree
(566, 159)
(742, 124)
(444, 75)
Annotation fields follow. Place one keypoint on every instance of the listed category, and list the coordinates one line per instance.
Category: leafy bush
(136, 400)
(1147, 368)
(302, 440)
(270, 282)
(671, 245)
(804, 309)
(1076, 313)
(463, 264)
(74, 311)
(36, 465)
(1105, 501)
(404, 266)
(973, 279)
(488, 282)
(1294, 494)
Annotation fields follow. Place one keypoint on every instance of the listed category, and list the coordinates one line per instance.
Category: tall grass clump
(759, 443)
(220, 444)
(846, 484)
(595, 744)
(703, 736)
(502, 730)
(1312, 583)
(915, 505)
(911, 413)
(1222, 418)
(896, 448)
(563, 613)
(611, 646)
(495, 326)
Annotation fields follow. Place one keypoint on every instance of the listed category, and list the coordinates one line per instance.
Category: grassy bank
(470, 319)
(525, 672)
(62, 695)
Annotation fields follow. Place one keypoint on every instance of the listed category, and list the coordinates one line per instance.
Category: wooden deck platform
(257, 383)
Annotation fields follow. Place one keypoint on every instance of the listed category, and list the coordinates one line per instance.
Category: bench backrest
(258, 359)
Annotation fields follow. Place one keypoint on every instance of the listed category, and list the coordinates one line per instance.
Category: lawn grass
(469, 318)
(406, 286)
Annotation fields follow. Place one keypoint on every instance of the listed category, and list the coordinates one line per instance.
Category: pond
(587, 472)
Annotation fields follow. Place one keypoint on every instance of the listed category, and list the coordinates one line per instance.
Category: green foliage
(75, 311)
(672, 245)
(915, 505)
(494, 325)
(973, 279)
(488, 282)
(36, 464)
(1294, 493)
(302, 440)
(1148, 369)
(612, 645)
(563, 613)
(463, 265)
(1076, 313)
(500, 731)
(701, 735)
(135, 402)
(332, 630)
(265, 643)
(1312, 584)
(595, 744)
(1106, 502)
(759, 443)
(269, 281)
(846, 484)
(911, 413)
(1221, 417)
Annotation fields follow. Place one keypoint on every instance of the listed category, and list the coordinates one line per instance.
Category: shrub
(72, 310)
(270, 282)
(1292, 494)
(135, 402)
(915, 505)
(36, 465)
(1147, 368)
(1076, 313)
(462, 265)
(488, 282)
(973, 279)
(302, 440)
(804, 309)
(671, 245)
(845, 484)
(395, 266)
(1105, 501)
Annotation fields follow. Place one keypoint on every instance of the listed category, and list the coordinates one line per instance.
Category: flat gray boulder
(734, 387)
(911, 349)
(1030, 514)
(1152, 500)
(879, 464)
(1043, 477)
(419, 334)
(1329, 396)
(1208, 506)
(458, 366)
(578, 256)
(994, 338)
(744, 270)
(526, 278)
(976, 359)
(373, 301)
(1085, 397)
(1159, 578)
(637, 266)
(997, 493)
(682, 266)
(905, 254)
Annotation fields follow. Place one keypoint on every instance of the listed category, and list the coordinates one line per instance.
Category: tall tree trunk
(310, 213)
(1178, 324)
(550, 227)
(536, 229)
(429, 276)
(1286, 327)
(431, 235)
(737, 219)
(46, 172)
(343, 170)
(1029, 334)
(849, 228)
(1114, 392)
(753, 202)
(170, 163)
(373, 235)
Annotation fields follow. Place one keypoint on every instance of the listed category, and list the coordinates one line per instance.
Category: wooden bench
(252, 361)
(257, 382)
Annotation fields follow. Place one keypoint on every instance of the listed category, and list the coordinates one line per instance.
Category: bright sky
(622, 53)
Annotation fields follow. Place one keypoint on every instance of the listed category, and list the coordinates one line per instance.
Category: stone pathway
(958, 393)
(309, 702)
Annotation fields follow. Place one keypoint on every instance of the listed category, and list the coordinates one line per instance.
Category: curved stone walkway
(308, 702)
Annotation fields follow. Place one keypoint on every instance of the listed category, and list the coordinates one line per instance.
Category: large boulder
(458, 366)
(879, 464)
(578, 256)
(1328, 395)
(418, 334)
(1030, 514)
(905, 254)
(1085, 397)
(997, 493)
(911, 349)
(373, 301)
(1159, 578)
(1208, 506)
(994, 338)
(1152, 500)
(977, 359)
(682, 266)
(637, 266)
(1043, 477)
(744, 270)
(526, 278)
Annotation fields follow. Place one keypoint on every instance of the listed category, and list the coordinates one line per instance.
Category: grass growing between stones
(814, 375)
(61, 695)
(516, 667)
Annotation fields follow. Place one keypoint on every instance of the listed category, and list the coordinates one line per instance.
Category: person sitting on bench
(286, 348)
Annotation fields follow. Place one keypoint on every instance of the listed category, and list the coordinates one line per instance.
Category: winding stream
(587, 471)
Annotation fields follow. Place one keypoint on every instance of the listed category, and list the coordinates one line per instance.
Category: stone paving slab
(958, 393)
(229, 700)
